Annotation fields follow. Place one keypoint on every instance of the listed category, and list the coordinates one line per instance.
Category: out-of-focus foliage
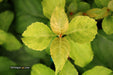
(5, 66)
(27, 12)
(6, 19)
(103, 49)
(9, 41)
(99, 70)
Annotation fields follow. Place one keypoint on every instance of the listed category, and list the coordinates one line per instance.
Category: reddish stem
(71, 13)
(84, 14)
(108, 10)
(60, 35)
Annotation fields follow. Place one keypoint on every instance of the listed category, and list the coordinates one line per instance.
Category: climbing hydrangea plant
(68, 37)
(61, 37)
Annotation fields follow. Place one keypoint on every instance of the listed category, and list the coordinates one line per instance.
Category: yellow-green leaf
(99, 70)
(59, 50)
(107, 24)
(68, 69)
(37, 36)
(59, 21)
(82, 29)
(110, 5)
(98, 13)
(82, 54)
(50, 5)
(40, 69)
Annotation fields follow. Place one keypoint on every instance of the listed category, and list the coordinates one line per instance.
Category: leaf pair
(39, 69)
(38, 36)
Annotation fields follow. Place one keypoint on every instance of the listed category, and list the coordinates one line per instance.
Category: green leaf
(68, 69)
(98, 70)
(107, 24)
(50, 5)
(37, 36)
(103, 49)
(59, 21)
(102, 3)
(9, 41)
(24, 20)
(82, 54)
(59, 50)
(5, 65)
(2, 37)
(110, 5)
(98, 13)
(6, 19)
(39, 69)
(33, 8)
(73, 7)
(83, 6)
(82, 29)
